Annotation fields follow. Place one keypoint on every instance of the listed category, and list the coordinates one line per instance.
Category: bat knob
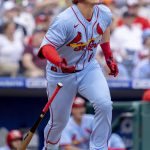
(60, 84)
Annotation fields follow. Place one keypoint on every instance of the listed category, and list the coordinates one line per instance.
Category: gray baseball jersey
(77, 135)
(76, 39)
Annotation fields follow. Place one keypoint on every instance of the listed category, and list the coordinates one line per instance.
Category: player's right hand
(65, 68)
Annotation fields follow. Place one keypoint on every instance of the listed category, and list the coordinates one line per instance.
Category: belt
(54, 69)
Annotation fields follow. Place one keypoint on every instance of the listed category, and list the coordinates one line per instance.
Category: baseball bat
(31, 132)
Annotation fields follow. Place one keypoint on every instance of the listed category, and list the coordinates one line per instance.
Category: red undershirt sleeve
(106, 50)
(50, 53)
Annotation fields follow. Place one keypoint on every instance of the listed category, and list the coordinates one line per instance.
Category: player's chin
(96, 2)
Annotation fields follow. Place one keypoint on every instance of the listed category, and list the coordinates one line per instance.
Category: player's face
(93, 2)
(16, 144)
(78, 112)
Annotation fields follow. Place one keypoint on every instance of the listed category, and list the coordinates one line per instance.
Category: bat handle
(59, 86)
(26, 142)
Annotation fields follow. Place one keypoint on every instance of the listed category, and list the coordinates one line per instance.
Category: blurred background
(23, 24)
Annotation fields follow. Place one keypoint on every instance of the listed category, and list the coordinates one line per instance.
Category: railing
(22, 82)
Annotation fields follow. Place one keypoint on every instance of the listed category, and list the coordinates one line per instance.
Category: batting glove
(112, 66)
(65, 68)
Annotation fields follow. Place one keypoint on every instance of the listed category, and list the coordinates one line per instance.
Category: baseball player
(116, 143)
(13, 139)
(70, 46)
(76, 135)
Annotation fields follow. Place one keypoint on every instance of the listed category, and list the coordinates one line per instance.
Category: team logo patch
(76, 25)
(79, 46)
(75, 40)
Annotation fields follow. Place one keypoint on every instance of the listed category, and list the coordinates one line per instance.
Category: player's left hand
(112, 66)
(65, 68)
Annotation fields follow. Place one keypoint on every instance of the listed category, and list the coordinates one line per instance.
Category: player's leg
(60, 110)
(94, 87)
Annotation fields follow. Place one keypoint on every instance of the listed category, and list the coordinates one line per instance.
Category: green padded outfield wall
(141, 121)
(145, 126)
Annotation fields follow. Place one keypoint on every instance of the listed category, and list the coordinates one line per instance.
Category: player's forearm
(108, 54)
(106, 44)
(51, 54)
(106, 36)
(106, 50)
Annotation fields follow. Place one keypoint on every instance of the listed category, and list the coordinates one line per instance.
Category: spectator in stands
(3, 135)
(77, 133)
(34, 67)
(46, 5)
(43, 20)
(145, 51)
(116, 143)
(146, 96)
(142, 70)
(126, 41)
(144, 10)
(11, 12)
(13, 140)
(134, 7)
(11, 48)
(25, 18)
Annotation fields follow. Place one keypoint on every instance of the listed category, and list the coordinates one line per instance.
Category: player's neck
(78, 121)
(86, 10)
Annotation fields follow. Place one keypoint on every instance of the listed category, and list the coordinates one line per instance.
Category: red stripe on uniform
(80, 21)
(95, 21)
(47, 141)
(53, 143)
(55, 45)
(51, 114)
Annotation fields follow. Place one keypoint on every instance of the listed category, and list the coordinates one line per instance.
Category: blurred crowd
(23, 24)
(130, 38)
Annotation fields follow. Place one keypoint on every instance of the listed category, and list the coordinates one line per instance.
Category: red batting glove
(109, 59)
(112, 66)
(50, 53)
(65, 68)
